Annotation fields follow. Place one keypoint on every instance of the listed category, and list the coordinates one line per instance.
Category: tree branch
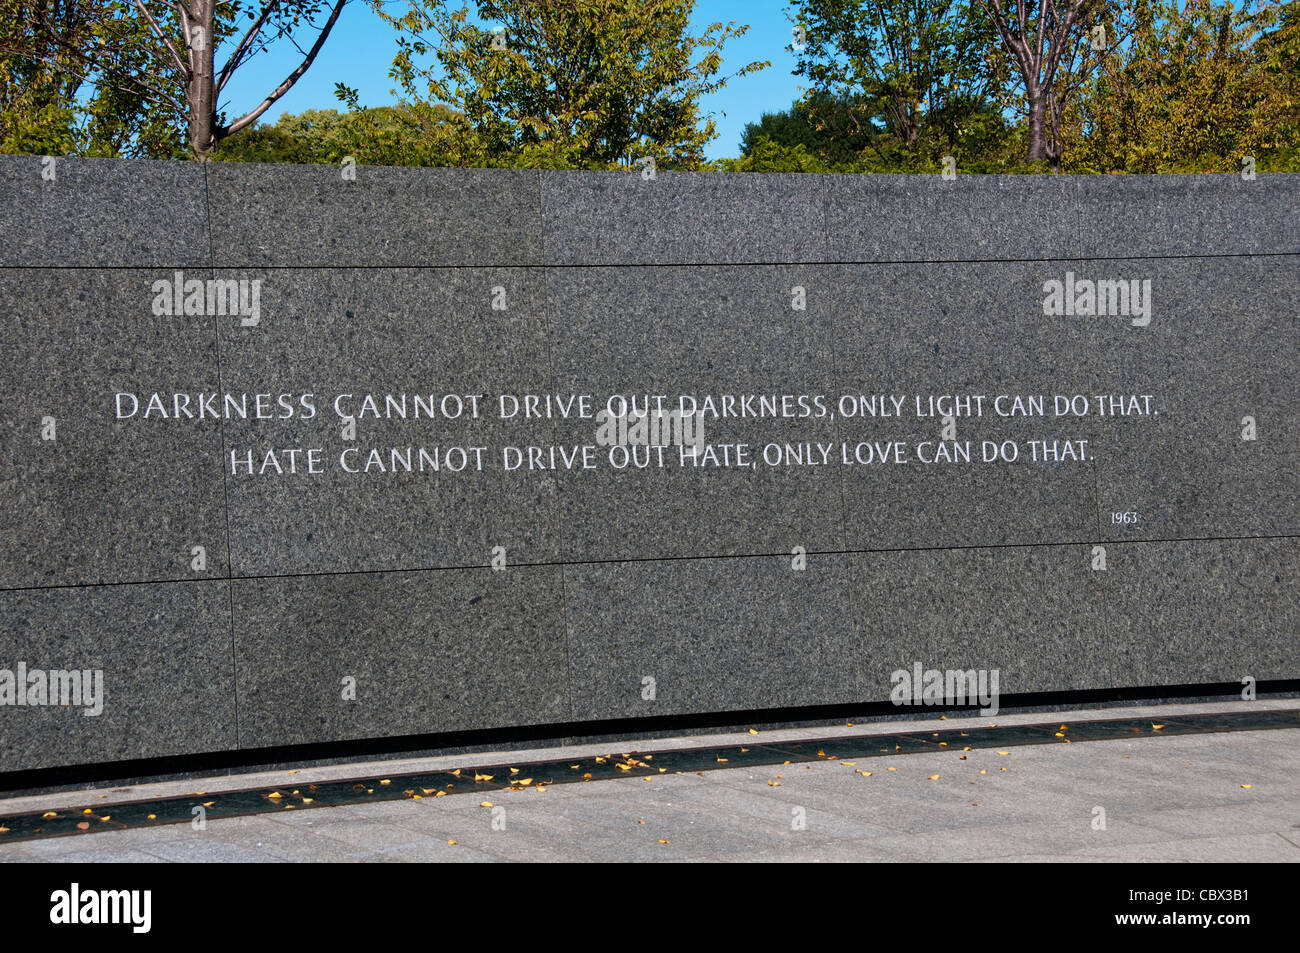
(252, 116)
(236, 57)
(153, 25)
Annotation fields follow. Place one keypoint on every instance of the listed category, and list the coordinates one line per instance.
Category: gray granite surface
(408, 283)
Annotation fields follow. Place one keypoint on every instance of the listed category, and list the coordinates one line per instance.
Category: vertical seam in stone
(557, 513)
(225, 485)
(825, 268)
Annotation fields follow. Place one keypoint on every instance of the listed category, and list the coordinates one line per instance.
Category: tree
(1275, 53)
(917, 70)
(571, 84)
(1055, 46)
(154, 61)
(39, 82)
(1198, 86)
(828, 127)
(384, 135)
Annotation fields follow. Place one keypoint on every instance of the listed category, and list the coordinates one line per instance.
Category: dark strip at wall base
(615, 731)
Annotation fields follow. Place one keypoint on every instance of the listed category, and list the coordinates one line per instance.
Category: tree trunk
(201, 94)
(1037, 125)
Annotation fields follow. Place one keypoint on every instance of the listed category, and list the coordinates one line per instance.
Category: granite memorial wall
(300, 454)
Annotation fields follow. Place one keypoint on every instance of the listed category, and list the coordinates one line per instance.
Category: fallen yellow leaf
(485, 804)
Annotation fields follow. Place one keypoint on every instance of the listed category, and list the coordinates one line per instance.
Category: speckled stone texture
(700, 635)
(341, 335)
(1221, 343)
(1033, 613)
(897, 218)
(950, 331)
(703, 332)
(165, 654)
(1189, 215)
(281, 215)
(109, 499)
(102, 213)
(430, 651)
(621, 218)
(613, 283)
(1212, 610)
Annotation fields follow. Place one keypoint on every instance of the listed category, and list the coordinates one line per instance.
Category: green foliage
(590, 84)
(1200, 85)
(827, 136)
(386, 135)
(86, 93)
(828, 127)
(916, 71)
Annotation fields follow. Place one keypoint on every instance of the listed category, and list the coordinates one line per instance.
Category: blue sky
(360, 51)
